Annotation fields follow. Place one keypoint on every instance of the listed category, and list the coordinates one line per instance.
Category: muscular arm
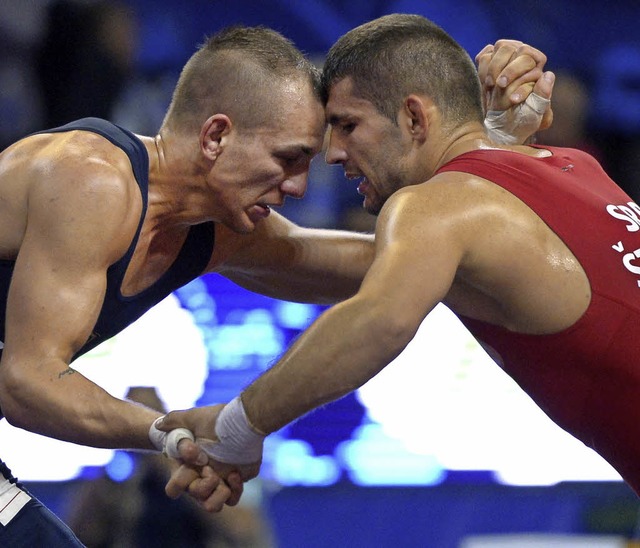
(416, 260)
(289, 262)
(79, 221)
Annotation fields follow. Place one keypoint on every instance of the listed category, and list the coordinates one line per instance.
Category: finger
(174, 419)
(204, 485)
(539, 57)
(508, 42)
(191, 453)
(484, 56)
(512, 60)
(487, 50)
(524, 81)
(500, 58)
(518, 93)
(217, 499)
(522, 49)
(527, 64)
(180, 481)
(534, 81)
(236, 485)
(519, 70)
(482, 61)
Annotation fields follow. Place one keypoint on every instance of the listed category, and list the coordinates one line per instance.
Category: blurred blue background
(61, 60)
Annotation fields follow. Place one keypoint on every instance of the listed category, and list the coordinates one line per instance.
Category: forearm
(314, 266)
(56, 401)
(345, 347)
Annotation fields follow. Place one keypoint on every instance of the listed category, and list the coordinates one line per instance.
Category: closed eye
(290, 161)
(294, 156)
(347, 128)
(342, 123)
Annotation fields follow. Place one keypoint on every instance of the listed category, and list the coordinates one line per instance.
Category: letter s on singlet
(624, 213)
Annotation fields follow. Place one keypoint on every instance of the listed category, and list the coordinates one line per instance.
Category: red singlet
(587, 377)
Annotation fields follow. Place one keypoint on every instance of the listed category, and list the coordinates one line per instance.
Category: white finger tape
(514, 126)
(537, 103)
(174, 437)
(167, 442)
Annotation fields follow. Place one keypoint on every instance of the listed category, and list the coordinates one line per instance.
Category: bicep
(74, 232)
(52, 303)
(417, 257)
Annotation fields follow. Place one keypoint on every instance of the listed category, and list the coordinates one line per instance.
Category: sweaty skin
(70, 207)
(325, 363)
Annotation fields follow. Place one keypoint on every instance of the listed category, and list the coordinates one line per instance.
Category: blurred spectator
(21, 27)
(136, 513)
(85, 59)
(617, 112)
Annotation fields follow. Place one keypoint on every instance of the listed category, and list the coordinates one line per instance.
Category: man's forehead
(299, 136)
(344, 102)
(298, 117)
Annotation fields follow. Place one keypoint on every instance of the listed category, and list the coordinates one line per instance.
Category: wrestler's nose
(295, 186)
(336, 153)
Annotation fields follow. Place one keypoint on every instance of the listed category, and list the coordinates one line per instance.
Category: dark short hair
(396, 55)
(234, 72)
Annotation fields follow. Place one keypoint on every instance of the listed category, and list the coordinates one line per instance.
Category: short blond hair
(237, 72)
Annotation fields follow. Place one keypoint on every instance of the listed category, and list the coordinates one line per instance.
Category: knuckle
(507, 42)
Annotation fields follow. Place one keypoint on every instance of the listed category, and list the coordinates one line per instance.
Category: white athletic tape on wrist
(238, 442)
(514, 126)
(167, 442)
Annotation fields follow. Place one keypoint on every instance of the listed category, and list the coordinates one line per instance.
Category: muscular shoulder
(448, 201)
(471, 216)
(80, 161)
(73, 179)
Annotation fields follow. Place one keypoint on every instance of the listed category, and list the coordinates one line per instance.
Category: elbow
(399, 334)
(12, 408)
(392, 330)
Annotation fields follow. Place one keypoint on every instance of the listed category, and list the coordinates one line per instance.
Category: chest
(153, 256)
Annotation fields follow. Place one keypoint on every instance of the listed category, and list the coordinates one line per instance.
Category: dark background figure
(85, 59)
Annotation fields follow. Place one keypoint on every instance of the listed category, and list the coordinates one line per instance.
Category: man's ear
(416, 116)
(212, 133)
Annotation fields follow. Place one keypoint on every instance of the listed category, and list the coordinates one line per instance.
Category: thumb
(175, 419)
(544, 88)
(544, 85)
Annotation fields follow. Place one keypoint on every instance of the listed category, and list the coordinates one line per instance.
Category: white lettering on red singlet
(630, 214)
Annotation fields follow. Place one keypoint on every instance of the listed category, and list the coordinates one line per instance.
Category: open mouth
(363, 185)
(356, 177)
(362, 182)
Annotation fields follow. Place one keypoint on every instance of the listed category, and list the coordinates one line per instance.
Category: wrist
(515, 125)
(239, 442)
